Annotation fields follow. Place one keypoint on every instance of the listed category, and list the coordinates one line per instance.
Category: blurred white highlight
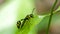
(8, 15)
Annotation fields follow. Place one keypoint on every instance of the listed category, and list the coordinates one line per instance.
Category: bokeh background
(13, 10)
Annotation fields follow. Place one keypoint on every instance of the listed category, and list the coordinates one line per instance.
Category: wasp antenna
(33, 10)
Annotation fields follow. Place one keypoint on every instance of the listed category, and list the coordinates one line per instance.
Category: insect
(21, 23)
(27, 18)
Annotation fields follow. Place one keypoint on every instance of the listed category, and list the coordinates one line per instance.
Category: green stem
(51, 16)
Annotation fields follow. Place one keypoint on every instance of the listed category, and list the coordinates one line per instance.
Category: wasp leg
(22, 24)
(30, 22)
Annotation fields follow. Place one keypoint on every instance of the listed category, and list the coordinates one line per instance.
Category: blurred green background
(13, 10)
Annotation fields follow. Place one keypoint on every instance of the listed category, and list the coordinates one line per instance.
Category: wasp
(27, 18)
(21, 23)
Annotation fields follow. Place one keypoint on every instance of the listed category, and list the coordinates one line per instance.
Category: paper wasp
(21, 23)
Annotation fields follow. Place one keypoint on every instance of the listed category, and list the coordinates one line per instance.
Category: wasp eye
(31, 15)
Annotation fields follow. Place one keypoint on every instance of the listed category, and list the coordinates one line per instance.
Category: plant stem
(50, 18)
